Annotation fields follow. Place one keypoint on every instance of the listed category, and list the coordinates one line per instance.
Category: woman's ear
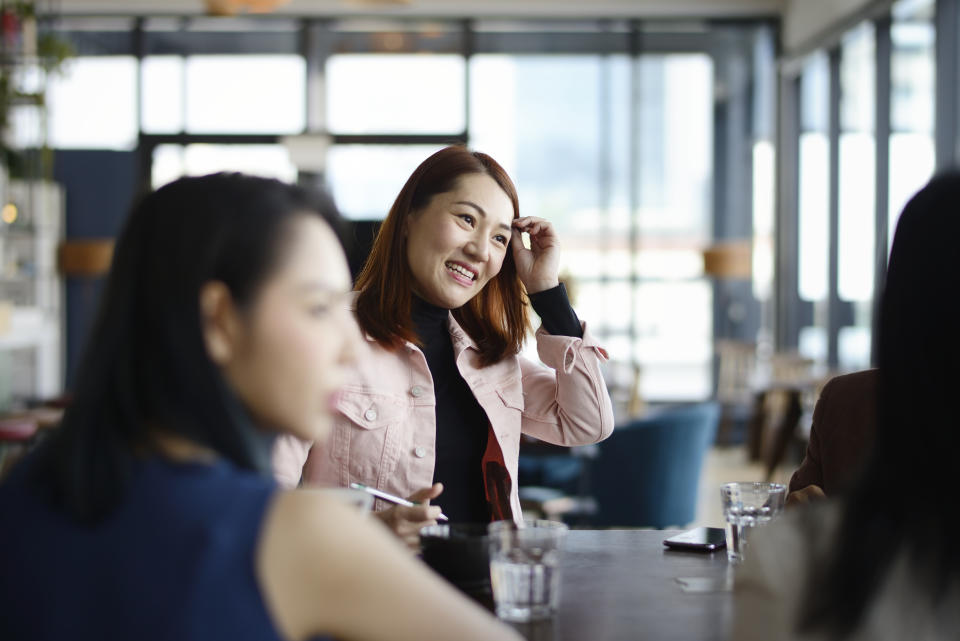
(220, 322)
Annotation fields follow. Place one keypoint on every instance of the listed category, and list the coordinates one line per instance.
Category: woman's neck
(428, 319)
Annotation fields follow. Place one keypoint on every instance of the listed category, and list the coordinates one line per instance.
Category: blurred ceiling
(460, 8)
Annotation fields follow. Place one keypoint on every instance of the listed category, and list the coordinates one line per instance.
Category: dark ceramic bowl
(458, 552)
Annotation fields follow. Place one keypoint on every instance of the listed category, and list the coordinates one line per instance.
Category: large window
(609, 128)
(857, 189)
(645, 293)
(912, 153)
(882, 119)
(92, 104)
(814, 205)
(395, 93)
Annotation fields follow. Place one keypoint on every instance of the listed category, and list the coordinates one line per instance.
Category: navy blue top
(174, 562)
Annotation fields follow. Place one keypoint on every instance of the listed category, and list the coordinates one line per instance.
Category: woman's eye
(500, 238)
(466, 218)
(319, 309)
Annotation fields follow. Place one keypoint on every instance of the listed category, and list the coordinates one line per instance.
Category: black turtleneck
(462, 425)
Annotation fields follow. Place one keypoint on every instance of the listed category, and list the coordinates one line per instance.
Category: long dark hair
(496, 318)
(146, 364)
(903, 504)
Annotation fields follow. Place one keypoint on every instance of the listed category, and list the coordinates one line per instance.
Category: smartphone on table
(701, 538)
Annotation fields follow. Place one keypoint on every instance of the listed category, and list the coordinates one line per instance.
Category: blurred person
(844, 421)
(882, 561)
(441, 403)
(151, 513)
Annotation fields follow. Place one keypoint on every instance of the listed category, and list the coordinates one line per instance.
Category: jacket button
(416, 391)
(370, 414)
(420, 452)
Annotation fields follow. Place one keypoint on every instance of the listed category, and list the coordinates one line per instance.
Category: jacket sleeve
(289, 455)
(810, 471)
(567, 402)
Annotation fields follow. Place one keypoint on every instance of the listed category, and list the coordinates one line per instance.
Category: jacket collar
(461, 340)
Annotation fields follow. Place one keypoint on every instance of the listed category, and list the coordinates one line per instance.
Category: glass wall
(609, 128)
(838, 308)
(912, 65)
(814, 204)
(856, 194)
(633, 251)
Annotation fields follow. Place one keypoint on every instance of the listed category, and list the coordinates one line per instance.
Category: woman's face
(287, 353)
(459, 240)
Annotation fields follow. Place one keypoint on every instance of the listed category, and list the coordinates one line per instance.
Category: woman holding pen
(436, 407)
(151, 514)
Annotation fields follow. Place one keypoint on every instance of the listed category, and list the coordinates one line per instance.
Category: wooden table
(621, 585)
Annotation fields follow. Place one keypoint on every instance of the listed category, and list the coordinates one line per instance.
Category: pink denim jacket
(385, 428)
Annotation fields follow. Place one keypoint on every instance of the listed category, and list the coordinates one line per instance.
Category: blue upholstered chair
(647, 473)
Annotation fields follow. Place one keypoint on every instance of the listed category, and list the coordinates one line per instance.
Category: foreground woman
(149, 514)
(444, 397)
(882, 562)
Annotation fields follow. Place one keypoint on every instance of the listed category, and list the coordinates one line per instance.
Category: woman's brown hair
(496, 318)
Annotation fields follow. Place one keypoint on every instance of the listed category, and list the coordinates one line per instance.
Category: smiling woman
(442, 399)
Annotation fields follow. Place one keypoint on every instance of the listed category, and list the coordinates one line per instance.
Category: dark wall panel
(99, 187)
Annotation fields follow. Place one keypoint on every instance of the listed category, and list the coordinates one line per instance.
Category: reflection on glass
(764, 170)
(857, 190)
(605, 305)
(559, 125)
(814, 208)
(668, 263)
(246, 94)
(519, 105)
(675, 330)
(365, 179)
(912, 163)
(92, 105)
(172, 161)
(912, 68)
(853, 347)
(812, 343)
(395, 93)
(858, 79)
(857, 222)
(676, 151)
(161, 110)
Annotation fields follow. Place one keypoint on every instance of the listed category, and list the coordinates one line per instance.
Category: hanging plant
(23, 48)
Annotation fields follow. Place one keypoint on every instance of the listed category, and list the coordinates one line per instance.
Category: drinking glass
(524, 568)
(745, 507)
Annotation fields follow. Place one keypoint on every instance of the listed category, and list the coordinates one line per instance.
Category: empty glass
(746, 506)
(524, 568)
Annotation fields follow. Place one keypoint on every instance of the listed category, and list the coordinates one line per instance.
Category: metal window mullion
(469, 46)
(882, 146)
(786, 277)
(144, 151)
(634, 193)
(947, 91)
(834, 312)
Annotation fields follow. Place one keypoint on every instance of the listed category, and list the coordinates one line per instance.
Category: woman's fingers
(426, 494)
(541, 231)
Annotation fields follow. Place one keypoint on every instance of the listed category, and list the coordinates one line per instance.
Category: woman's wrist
(535, 287)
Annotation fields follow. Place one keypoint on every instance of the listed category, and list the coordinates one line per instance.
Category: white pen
(390, 497)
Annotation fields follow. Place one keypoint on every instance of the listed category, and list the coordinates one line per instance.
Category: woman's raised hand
(406, 522)
(539, 266)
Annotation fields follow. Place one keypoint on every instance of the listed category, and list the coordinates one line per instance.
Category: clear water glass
(747, 506)
(524, 568)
